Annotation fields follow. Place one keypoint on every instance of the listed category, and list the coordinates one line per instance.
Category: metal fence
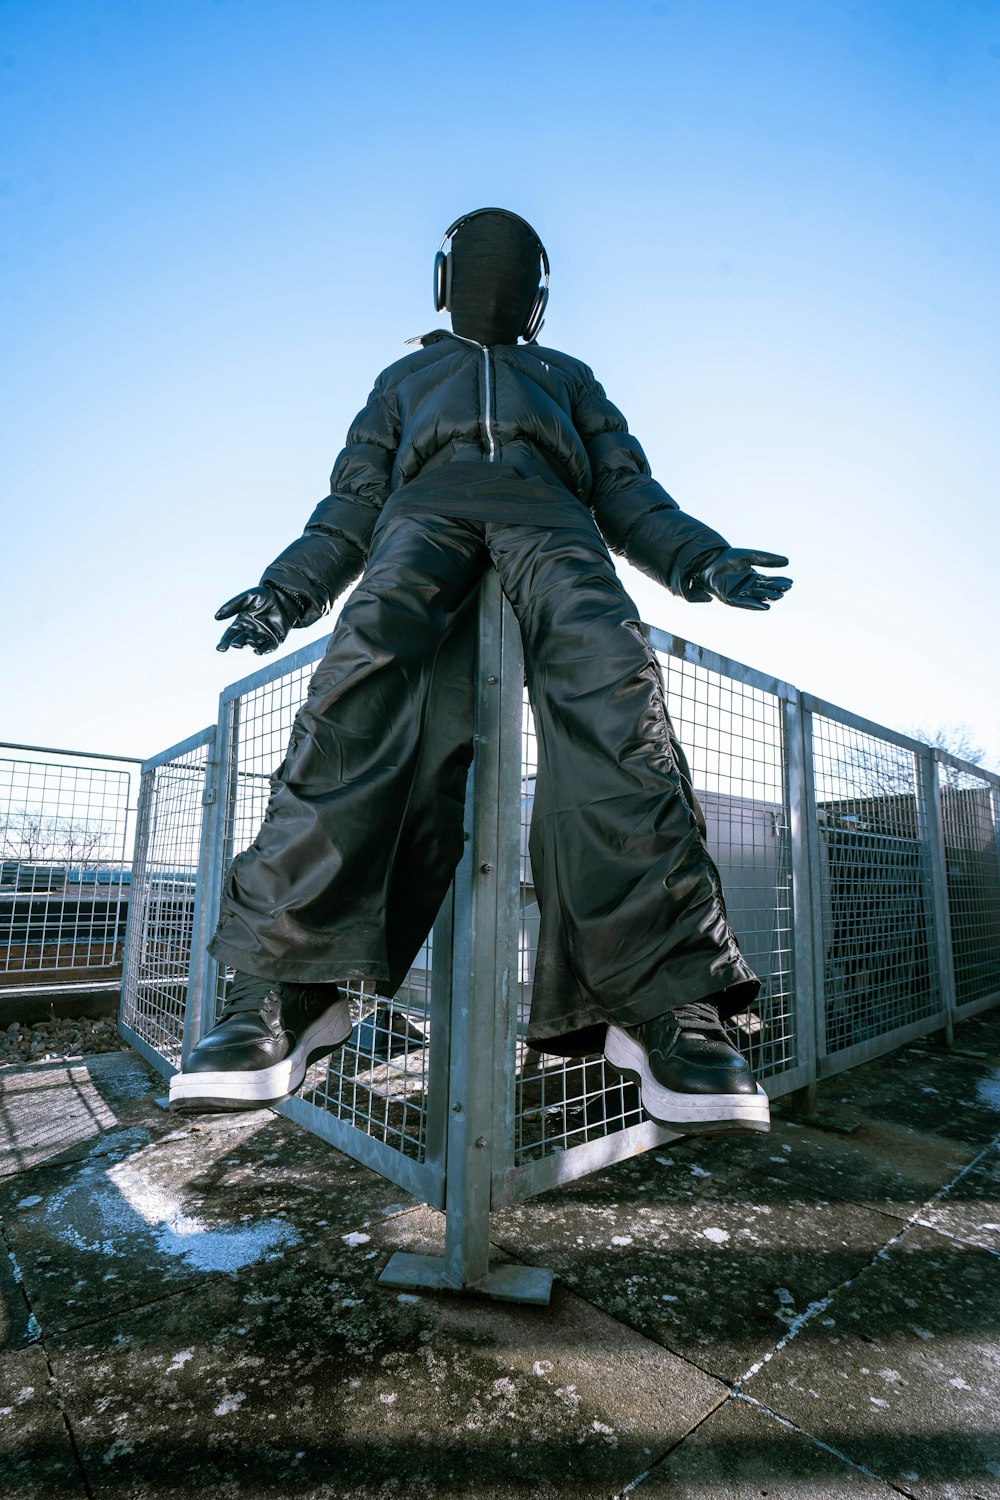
(167, 892)
(65, 838)
(861, 871)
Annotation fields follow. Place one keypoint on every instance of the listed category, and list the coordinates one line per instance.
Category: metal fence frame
(467, 1160)
(144, 1025)
(66, 868)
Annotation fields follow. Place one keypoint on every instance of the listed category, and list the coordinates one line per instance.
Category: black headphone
(442, 272)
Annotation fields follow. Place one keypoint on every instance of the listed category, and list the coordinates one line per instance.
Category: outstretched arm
(646, 526)
(303, 581)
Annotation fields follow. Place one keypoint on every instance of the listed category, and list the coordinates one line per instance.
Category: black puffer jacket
(539, 414)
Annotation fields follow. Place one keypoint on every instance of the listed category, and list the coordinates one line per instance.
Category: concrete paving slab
(68, 1111)
(36, 1455)
(890, 1165)
(743, 1452)
(980, 1033)
(297, 1381)
(971, 1209)
(16, 1325)
(705, 1258)
(901, 1373)
(210, 1197)
(936, 1091)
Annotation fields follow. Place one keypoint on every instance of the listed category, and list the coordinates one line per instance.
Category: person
(474, 451)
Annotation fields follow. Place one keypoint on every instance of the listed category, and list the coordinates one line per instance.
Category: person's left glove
(730, 576)
(264, 616)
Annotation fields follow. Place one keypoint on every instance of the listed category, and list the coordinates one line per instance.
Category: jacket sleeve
(331, 552)
(637, 517)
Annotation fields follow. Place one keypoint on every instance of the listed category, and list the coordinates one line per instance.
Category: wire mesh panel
(732, 732)
(559, 1102)
(64, 875)
(880, 968)
(972, 857)
(165, 881)
(378, 1082)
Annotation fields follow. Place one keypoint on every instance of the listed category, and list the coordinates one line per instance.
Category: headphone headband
(454, 228)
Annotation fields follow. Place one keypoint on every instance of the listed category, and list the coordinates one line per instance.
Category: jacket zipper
(491, 455)
(489, 430)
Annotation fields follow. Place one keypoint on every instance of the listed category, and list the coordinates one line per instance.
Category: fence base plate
(504, 1283)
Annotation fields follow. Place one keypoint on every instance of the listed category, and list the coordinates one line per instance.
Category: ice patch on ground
(230, 1404)
(108, 1219)
(988, 1089)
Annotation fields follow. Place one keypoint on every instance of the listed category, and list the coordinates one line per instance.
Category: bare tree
(32, 837)
(957, 740)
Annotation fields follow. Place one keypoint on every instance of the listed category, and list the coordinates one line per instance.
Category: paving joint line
(958, 1239)
(56, 1395)
(827, 1447)
(181, 1291)
(37, 1339)
(134, 1307)
(53, 1165)
(822, 1303)
(634, 1484)
(843, 1198)
(34, 1327)
(734, 1395)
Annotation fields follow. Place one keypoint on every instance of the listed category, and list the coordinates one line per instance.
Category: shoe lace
(698, 1015)
(246, 993)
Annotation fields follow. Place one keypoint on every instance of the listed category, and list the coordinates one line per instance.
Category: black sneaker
(691, 1078)
(258, 1052)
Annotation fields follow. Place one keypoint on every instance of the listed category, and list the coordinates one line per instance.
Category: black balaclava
(494, 277)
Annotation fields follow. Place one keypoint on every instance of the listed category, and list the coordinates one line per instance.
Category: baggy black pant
(364, 827)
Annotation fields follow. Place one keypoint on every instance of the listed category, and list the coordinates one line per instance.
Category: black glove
(264, 616)
(729, 576)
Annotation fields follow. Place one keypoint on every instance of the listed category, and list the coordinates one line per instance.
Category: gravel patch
(62, 1038)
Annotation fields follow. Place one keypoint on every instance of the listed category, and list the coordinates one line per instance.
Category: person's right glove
(264, 616)
(730, 576)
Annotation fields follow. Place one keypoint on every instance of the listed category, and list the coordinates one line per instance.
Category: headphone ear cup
(537, 313)
(441, 281)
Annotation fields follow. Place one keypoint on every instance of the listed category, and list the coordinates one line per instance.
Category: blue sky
(772, 229)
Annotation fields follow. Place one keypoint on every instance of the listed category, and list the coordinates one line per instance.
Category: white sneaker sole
(256, 1088)
(690, 1114)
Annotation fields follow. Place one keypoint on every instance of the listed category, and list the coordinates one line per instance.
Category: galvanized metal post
(484, 968)
(137, 893)
(807, 910)
(199, 1012)
(216, 855)
(930, 824)
(510, 809)
(470, 1091)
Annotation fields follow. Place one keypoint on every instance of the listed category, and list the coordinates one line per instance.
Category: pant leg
(633, 921)
(364, 826)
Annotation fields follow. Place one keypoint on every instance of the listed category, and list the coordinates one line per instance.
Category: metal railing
(65, 834)
(861, 871)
